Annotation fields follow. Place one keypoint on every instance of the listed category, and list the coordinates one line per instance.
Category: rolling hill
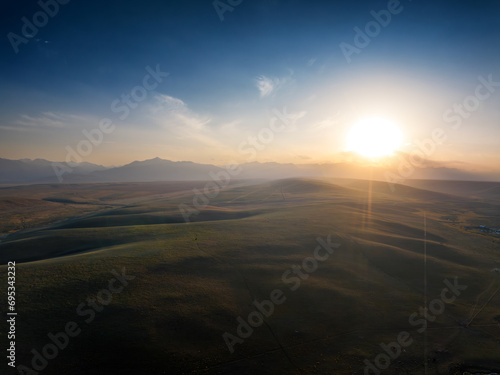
(192, 282)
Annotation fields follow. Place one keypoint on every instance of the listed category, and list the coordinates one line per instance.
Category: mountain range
(42, 171)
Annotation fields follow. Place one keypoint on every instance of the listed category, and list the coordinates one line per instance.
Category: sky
(237, 81)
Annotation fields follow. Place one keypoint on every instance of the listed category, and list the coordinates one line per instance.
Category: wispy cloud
(167, 103)
(266, 85)
(13, 128)
(174, 115)
(192, 121)
(173, 112)
(296, 115)
(293, 119)
(47, 120)
(327, 123)
(304, 157)
(311, 61)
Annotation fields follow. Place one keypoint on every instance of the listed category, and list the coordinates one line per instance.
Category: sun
(374, 137)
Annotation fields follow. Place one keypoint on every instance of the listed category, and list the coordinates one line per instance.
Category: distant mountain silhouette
(38, 170)
(156, 170)
(41, 171)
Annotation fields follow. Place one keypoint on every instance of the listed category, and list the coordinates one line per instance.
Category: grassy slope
(192, 281)
(28, 206)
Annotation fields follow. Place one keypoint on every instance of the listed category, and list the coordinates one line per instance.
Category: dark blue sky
(93, 51)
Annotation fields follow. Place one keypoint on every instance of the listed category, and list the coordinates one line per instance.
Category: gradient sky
(227, 78)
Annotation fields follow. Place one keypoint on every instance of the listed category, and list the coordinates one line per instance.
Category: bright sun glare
(374, 137)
